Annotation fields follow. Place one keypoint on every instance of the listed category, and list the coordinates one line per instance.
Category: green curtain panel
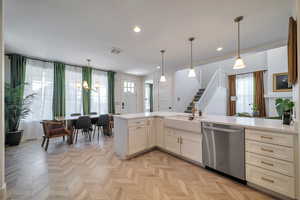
(17, 80)
(111, 91)
(86, 94)
(59, 95)
(151, 97)
(17, 72)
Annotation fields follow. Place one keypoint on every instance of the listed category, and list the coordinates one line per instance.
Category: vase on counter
(287, 117)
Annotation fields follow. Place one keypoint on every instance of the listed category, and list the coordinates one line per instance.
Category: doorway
(148, 98)
(129, 103)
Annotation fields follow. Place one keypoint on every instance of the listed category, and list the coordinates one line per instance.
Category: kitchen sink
(183, 123)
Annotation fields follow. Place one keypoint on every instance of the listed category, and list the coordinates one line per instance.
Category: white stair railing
(217, 80)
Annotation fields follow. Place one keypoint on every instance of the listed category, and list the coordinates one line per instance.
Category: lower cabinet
(186, 144)
(137, 139)
(159, 129)
(191, 146)
(172, 141)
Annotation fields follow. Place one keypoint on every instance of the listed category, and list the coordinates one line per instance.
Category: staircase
(195, 99)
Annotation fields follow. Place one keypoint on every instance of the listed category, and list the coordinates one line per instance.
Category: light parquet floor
(91, 171)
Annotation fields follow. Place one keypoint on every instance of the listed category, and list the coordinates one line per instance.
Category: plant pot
(14, 138)
(287, 118)
(255, 114)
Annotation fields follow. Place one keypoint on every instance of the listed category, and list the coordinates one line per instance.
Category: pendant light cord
(239, 45)
(162, 62)
(191, 54)
(191, 40)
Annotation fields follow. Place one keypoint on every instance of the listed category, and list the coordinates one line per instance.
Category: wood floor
(92, 171)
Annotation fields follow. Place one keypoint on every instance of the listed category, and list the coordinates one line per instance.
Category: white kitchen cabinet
(159, 129)
(172, 142)
(137, 139)
(151, 136)
(184, 143)
(190, 145)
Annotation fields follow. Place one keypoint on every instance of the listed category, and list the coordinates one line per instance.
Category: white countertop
(253, 123)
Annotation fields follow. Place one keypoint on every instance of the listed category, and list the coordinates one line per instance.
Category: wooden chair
(53, 129)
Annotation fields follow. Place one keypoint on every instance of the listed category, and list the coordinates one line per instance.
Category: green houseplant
(17, 108)
(284, 109)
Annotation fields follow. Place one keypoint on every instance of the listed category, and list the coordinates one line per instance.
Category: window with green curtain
(17, 79)
(59, 98)
(86, 94)
(17, 72)
(111, 91)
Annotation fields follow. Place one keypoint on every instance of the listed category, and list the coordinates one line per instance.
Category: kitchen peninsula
(270, 153)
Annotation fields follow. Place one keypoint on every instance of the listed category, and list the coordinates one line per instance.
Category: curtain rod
(251, 72)
(51, 61)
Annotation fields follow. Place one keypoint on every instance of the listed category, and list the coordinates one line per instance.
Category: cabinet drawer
(270, 150)
(136, 122)
(271, 180)
(280, 166)
(268, 137)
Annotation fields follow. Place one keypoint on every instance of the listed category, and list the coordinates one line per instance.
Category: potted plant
(284, 109)
(255, 111)
(16, 109)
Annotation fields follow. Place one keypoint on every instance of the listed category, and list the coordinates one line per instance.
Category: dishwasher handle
(222, 129)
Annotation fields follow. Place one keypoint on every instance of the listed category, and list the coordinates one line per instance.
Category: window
(73, 85)
(244, 92)
(129, 86)
(39, 78)
(99, 98)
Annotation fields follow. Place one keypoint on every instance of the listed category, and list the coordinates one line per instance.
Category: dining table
(71, 120)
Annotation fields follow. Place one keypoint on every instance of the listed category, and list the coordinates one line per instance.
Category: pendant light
(162, 77)
(239, 63)
(192, 72)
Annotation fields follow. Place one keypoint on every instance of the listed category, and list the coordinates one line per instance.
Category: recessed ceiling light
(137, 29)
(158, 67)
(219, 48)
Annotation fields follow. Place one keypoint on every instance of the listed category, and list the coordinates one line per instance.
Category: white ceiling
(73, 30)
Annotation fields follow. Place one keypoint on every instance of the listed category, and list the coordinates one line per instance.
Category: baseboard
(269, 192)
(3, 192)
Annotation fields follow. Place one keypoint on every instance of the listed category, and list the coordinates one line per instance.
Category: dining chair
(54, 129)
(84, 124)
(75, 114)
(102, 122)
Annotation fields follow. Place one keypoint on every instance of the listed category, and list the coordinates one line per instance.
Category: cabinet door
(151, 133)
(159, 132)
(172, 141)
(137, 139)
(141, 138)
(191, 145)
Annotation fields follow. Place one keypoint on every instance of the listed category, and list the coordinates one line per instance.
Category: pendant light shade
(239, 63)
(192, 72)
(162, 77)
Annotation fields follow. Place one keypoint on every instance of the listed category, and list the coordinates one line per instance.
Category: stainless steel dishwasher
(223, 149)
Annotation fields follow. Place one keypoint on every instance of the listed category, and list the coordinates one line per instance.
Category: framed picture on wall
(280, 82)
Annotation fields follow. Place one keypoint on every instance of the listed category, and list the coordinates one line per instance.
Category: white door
(129, 101)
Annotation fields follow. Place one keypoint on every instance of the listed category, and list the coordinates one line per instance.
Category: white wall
(277, 63)
(2, 130)
(163, 93)
(119, 78)
(218, 103)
